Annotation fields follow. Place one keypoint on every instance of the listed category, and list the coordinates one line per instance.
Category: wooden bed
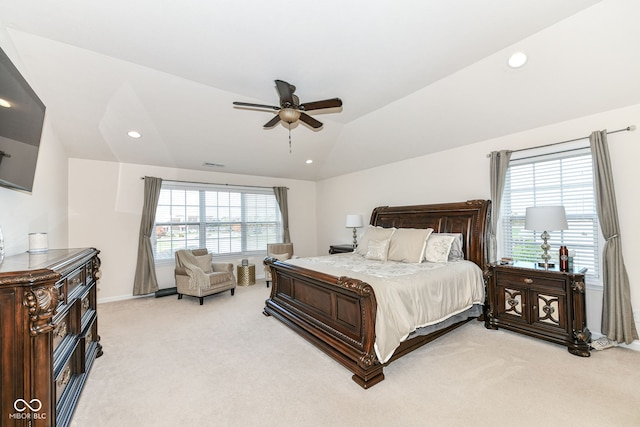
(338, 314)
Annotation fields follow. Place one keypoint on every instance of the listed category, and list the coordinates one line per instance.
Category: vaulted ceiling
(415, 76)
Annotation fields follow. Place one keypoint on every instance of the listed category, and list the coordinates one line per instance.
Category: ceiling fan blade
(272, 122)
(248, 104)
(317, 105)
(285, 90)
(310, 120)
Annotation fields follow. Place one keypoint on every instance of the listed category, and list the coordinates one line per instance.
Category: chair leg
(179, 296)
(267, 283)
(233, 292)
(201, 300)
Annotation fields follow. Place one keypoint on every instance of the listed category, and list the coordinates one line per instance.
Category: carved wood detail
(42, 303)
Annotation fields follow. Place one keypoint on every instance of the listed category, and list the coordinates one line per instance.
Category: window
(234, 221)
(552, 179)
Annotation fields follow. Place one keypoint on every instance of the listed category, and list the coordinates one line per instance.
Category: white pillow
(408, 244)
(377, 250)
(204, 262)
(438, 247)
(280, 257)
(373, 233)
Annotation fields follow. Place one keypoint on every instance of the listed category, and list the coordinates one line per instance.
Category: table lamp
(546, 218)
(354, 221)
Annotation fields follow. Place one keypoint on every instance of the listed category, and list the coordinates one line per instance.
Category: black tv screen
(21, 121)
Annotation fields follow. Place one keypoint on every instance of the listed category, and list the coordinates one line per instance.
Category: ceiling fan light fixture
(289, 115)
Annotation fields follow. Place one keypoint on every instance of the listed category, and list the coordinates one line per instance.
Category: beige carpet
(170, 362)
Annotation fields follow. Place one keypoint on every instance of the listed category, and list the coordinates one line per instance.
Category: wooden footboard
(335, 314)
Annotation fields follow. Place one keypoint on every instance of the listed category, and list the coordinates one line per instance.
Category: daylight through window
(227, 220)
(554, 179)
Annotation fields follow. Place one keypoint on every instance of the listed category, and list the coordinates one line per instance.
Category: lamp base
(546, 265)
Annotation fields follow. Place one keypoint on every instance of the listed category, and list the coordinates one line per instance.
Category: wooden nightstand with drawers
(545, 304)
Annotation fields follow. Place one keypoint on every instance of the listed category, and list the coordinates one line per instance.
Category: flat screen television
(21, 121)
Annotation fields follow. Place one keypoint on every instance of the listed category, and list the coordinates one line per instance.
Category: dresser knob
(528, 281)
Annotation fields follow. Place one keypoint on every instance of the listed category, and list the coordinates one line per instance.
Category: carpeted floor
(170, 362)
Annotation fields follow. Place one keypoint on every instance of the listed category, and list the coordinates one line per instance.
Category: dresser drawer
(62, 331)
(529, 280)
(69, 371)
(75, 280)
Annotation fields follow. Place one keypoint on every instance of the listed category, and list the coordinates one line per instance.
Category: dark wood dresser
(48, 334)
(546, 304)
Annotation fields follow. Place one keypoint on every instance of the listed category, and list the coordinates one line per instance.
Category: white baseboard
(122, 298)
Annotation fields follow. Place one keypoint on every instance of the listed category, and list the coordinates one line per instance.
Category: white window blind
(555, 179)
(234, 221)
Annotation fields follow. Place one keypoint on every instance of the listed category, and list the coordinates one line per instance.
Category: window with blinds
(234, 221)
(554, 179)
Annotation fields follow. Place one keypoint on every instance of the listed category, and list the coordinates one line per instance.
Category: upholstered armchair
(197, 276)
(280, 251)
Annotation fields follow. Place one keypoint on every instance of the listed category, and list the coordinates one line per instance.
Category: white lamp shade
(546, 218)
(354, 221)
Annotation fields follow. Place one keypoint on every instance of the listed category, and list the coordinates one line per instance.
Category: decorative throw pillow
(281, 257)
(456, 253)
(204, 262)
(408, 244)
(438, 247)
(372, 233)
(378, 250)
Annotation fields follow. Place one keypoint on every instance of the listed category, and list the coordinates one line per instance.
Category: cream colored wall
(45, 209)
(105, 204)
(463, 173)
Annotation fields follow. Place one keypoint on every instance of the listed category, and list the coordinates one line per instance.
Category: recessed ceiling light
(309, 161)
(517, 60)
(4, 103)
(134, 134)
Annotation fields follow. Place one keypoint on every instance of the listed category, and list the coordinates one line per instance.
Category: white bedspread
(409, 296)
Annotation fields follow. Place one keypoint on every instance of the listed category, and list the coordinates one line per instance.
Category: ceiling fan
(290, 109)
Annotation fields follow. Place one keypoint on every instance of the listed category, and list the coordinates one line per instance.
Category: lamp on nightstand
(546, 218)
(354, 221)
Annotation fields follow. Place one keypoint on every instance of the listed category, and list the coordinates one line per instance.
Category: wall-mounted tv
(21, 121)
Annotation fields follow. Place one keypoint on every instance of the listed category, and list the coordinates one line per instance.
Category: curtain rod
(213, 183)
(628, 128)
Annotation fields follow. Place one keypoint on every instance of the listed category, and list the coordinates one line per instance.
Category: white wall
(463, 173)
(45, 209)
(105, 205)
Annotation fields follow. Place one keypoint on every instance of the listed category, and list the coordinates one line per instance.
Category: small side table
(246, 275)
(341, 249)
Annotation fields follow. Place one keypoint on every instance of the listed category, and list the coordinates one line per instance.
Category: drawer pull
(85, 304)
(528, 281)
(61, 329)
(64, 379)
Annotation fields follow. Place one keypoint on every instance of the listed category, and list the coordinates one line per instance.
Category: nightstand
(340, 249)
(545, 304)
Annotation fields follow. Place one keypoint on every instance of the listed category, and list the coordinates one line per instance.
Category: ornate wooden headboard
(471, 218)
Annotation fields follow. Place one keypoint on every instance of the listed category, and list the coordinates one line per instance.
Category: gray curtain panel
(499, 165)
(145, 281)
(617, 313)
(281, 198)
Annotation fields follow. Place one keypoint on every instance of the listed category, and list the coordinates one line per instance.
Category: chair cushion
(215, 278)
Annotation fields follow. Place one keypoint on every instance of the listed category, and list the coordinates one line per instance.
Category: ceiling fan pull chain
(289, 138)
